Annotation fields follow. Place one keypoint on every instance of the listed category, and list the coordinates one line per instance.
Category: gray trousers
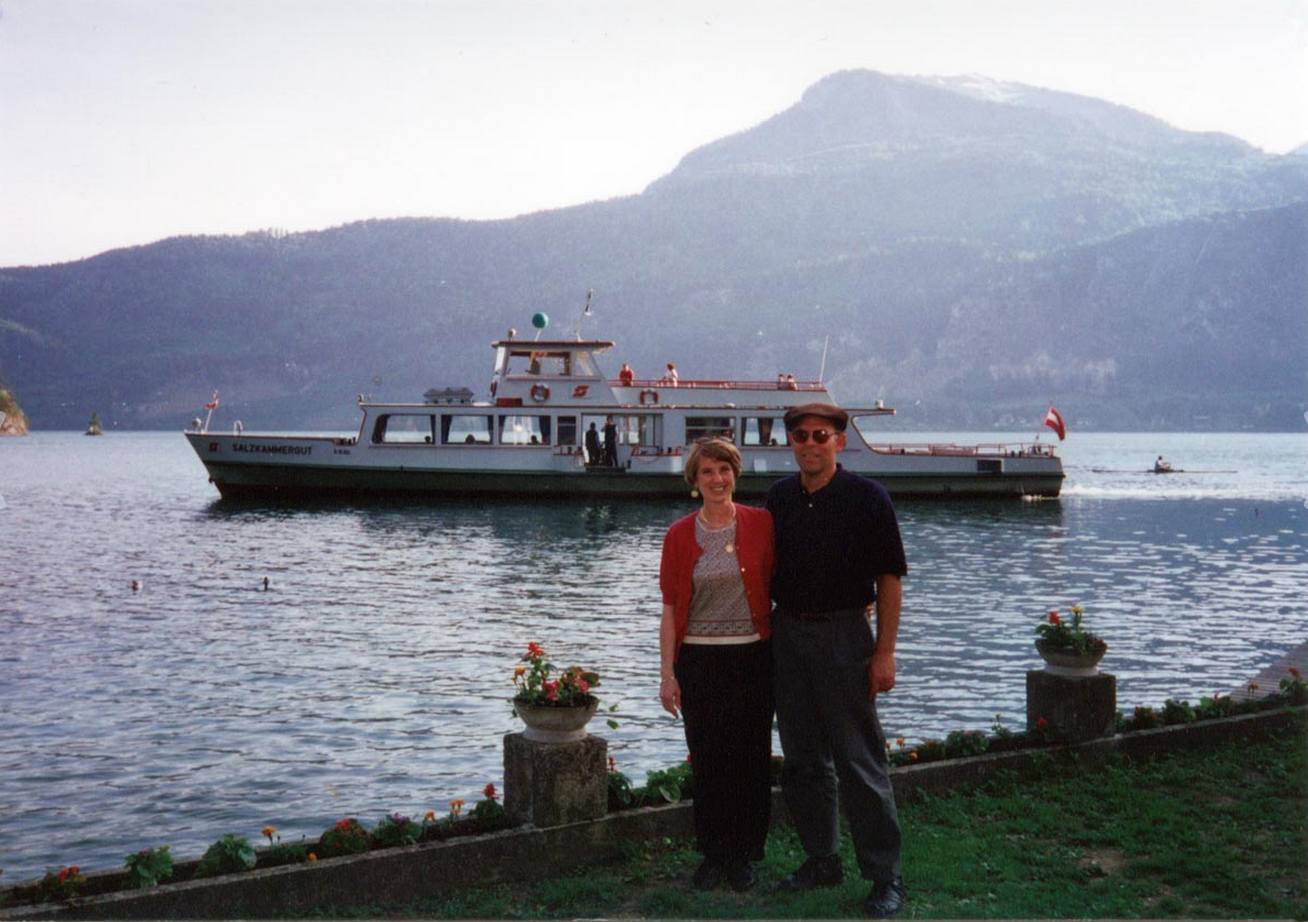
(835, 750)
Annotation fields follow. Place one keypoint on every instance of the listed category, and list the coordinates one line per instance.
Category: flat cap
(828, 411)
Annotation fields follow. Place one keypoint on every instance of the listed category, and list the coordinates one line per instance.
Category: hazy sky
(126, 121)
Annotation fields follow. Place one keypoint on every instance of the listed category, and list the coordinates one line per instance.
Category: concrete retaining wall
(398, 875)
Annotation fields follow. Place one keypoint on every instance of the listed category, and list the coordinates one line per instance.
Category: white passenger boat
(527, 439)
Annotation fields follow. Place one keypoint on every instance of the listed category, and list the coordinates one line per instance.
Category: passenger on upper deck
(671, 376)
(626, 375)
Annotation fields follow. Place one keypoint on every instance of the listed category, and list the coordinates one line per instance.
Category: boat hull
(287, 472)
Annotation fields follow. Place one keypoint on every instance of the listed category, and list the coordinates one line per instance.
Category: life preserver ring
(540, 393)
(649, 396)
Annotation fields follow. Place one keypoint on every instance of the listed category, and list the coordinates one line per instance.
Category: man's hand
(881, 673)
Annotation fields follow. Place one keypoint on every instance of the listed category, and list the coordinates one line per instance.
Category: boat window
(403, 429)
(584, 366)
(700, 427)
(546, 362)
(638, 430)
(567, 430)
(763, 430)
(524, 430)
(465, 429)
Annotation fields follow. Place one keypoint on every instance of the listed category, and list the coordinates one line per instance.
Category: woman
(717, 662)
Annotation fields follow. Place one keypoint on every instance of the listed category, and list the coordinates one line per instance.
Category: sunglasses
(820, 436)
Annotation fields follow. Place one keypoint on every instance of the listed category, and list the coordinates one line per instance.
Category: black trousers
(833, 742)
(726, 703)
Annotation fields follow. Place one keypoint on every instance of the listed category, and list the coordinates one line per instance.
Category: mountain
(964, 249)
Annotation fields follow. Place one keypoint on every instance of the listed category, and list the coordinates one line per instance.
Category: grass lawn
(1222, 834)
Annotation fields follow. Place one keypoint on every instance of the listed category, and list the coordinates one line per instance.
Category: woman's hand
(670, 695)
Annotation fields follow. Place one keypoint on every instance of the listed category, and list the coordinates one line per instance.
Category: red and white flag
(1055, 422)
(212, 404)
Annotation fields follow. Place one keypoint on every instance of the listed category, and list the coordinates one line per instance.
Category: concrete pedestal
(1078, 709)
(549, 784)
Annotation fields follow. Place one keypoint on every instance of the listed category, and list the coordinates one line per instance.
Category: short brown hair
(716, 449)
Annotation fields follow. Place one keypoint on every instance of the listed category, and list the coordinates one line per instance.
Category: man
(838, 550)
(610, 443)
(592, 446)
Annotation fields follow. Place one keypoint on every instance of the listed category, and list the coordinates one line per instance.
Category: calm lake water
(373, 675)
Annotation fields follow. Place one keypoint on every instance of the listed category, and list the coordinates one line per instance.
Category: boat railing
(949, 449)
(708, 384)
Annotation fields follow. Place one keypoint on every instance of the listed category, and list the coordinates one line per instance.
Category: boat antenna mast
(585, 313)
(822, 369)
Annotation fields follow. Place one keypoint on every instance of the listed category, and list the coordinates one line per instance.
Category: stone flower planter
(546, 724)
(1067, 663)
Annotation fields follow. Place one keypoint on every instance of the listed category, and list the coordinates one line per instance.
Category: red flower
(1294, 672)
(1042, 723)
(489, 792)
(343, 825)
(613, 764)
(533, 651)
(1054, 619)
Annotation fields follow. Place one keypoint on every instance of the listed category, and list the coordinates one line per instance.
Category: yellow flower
(269, 831)
(899, 741)
(1077, 609)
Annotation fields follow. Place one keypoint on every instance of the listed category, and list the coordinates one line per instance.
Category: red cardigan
(754, 548)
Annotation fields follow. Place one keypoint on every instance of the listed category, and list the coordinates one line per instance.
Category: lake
(373, 674)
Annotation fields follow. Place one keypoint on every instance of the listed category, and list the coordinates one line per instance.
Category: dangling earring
(694, 493)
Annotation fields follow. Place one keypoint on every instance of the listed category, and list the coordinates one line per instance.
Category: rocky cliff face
(12, 420)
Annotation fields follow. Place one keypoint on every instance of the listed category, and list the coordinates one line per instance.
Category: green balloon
(540, 320)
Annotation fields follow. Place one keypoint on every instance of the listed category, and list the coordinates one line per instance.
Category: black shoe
(708, 875)
(886, 899)
(740, 876)
(814, 873)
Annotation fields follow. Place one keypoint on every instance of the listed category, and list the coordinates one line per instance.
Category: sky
(123, 122)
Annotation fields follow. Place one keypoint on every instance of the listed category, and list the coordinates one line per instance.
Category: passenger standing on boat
(716, 663)
(671, 376)
(610, 443)
(625, 375)
(592, 445)
(839, 551)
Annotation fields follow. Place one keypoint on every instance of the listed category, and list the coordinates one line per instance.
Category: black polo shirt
(833, 544)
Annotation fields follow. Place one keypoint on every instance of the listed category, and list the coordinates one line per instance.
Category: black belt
(840, 614)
